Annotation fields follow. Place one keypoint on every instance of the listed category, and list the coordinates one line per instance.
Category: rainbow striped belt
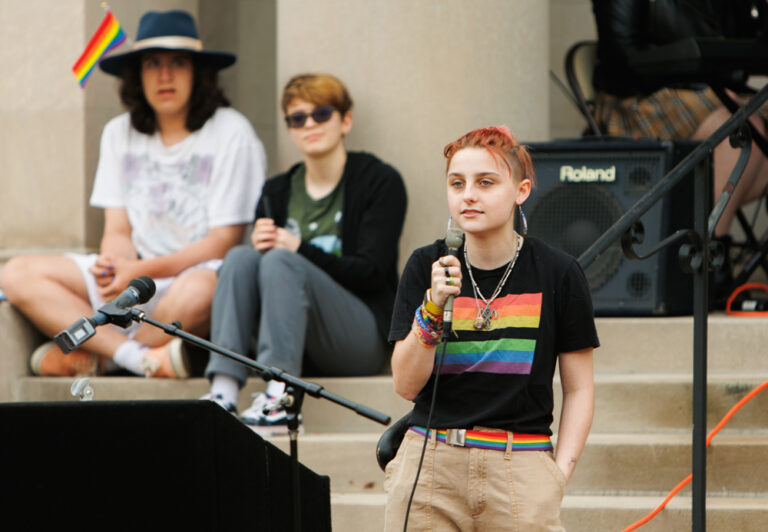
(489, 440)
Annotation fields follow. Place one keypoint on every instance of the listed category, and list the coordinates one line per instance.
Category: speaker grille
(638, 285)
(583, 186)
(572, 217)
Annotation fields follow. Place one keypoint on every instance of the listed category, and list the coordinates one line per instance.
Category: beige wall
(421, 74)
(570, 21)
(249, 28)
(50, 126)
(41, 125)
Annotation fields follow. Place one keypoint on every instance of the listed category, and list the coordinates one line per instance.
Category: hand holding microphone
(446, 277)
(453, 240)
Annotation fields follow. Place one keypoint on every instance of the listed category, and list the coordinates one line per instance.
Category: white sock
(275, 388)
(129, 355)
(225, 386)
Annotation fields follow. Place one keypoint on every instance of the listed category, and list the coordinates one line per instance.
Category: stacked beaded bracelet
(428, 325)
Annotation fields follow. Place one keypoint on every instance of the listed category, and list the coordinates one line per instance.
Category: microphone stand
(295, 389)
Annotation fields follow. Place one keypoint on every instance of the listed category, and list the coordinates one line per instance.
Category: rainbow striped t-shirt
(501, 377)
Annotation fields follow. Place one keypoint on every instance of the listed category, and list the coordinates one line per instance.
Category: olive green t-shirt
(317, 221)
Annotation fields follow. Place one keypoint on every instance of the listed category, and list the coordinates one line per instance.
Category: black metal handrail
(696, 259)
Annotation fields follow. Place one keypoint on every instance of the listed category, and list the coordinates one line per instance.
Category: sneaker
(48, 359)
(273, 423)
(170, 361)
(219, 400)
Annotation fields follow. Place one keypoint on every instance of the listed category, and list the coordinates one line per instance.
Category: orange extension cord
(682, 484)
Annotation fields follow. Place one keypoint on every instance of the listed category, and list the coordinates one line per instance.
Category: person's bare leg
(51, 293)
(188, 301)
(753, 181)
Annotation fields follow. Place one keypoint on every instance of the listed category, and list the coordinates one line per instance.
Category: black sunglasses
(319, 115)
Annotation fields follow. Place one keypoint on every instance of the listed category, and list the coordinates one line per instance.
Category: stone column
(49, 139)
(42, 117)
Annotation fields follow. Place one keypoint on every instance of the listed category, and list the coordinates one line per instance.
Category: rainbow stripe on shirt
(503, 352)
(513, 310)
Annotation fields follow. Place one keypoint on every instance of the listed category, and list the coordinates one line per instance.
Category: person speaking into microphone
(518, 307)
(178, 178)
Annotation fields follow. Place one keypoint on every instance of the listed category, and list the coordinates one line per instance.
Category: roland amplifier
(583, 187)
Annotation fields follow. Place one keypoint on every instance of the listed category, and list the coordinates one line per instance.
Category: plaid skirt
(669, 114)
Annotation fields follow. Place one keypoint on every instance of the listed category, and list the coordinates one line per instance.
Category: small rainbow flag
(109, 36)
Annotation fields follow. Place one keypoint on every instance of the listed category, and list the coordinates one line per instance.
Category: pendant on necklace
(483, 319)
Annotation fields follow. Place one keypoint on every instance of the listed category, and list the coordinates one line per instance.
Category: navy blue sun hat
(167, 31)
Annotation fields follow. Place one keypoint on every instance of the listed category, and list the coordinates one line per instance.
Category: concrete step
(320, 415)
(656, 462)
(624, 402)
(365, 513)
(663, 401)
(634, 345)
(610, 464)
(665, 345)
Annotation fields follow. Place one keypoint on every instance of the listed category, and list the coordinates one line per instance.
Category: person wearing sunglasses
(317, 287)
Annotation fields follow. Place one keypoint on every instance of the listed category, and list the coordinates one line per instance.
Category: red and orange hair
(501, 143)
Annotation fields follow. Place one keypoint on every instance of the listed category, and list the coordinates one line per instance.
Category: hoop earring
(523, 220)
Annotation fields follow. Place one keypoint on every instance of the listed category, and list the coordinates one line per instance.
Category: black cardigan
(372, 219)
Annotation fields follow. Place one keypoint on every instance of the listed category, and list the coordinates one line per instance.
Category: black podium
(146, 465)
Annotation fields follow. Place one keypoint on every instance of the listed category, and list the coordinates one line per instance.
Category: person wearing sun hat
(172, 30)
(178, 177)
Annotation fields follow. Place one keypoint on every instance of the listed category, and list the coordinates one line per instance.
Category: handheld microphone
(117, 311)
(453, 239)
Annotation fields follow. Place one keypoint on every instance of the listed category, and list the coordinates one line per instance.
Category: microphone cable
(426, 434)
(454, 238)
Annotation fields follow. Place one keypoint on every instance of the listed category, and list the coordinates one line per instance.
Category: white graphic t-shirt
(174, 195)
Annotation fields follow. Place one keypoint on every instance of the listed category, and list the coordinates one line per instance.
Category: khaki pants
(469, 489)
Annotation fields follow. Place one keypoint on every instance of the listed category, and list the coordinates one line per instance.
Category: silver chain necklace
(485, 315)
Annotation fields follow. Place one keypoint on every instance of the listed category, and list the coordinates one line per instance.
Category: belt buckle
(456, 437)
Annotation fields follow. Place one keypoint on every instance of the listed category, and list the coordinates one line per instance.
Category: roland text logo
(587, 175)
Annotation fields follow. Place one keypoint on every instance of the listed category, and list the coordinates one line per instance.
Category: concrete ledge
(634, 403)
(724, 514)
(646, 345)
(320, 415)
(611, 463)
(18, 338)
(365, 513)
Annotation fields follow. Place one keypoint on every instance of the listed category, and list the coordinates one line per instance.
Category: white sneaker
(219, 400)
(273, 423)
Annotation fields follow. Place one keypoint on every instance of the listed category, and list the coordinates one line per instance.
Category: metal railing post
(701, 207)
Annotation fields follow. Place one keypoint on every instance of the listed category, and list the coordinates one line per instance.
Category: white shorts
(85, 262)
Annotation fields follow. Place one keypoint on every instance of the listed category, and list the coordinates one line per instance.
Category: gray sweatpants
(292, 307)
